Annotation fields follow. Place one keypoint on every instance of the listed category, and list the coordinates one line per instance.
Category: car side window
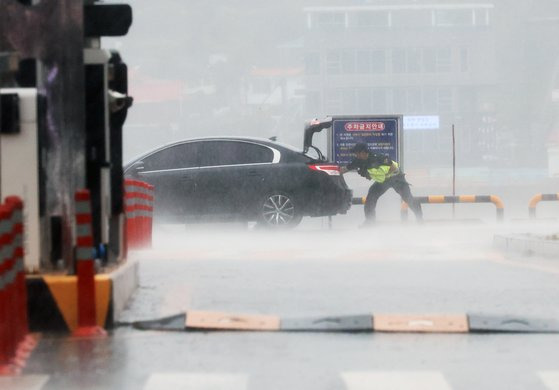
(217, 153)
(174, 157)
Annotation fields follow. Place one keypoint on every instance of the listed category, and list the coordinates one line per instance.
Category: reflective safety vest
(382, 172)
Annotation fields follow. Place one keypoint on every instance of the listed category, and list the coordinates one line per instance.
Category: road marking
(25, 382)
(395, 380)
(550, 379)
(196, 381)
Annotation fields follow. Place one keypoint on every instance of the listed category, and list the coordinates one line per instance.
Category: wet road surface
(434, 268)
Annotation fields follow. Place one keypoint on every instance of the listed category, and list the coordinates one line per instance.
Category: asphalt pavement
(435, 268)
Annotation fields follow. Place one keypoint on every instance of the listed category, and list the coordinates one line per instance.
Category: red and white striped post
(85, 268)
(139, 200)
(26, 341)
(5, 314)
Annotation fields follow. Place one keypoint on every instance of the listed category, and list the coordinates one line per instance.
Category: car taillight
(332, 170)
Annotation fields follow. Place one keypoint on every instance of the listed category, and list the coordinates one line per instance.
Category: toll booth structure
(64, 101)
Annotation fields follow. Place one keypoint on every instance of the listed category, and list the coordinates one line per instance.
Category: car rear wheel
(278, 211)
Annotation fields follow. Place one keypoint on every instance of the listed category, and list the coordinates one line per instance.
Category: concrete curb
(527, 245)
(125, 280)
(52, 299)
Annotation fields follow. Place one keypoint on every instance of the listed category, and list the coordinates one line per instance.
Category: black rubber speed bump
(356, 323)
(472, 323)
(175, 322)
(511, 324)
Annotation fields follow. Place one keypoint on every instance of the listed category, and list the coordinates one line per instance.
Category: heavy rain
(315, 194)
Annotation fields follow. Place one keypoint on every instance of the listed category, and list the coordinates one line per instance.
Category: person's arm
(349, 167)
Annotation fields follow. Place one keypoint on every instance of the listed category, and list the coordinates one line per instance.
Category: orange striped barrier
(434, 199)
(138, 200)
(537, 199)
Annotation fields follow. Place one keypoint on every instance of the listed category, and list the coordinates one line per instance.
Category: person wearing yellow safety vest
(386, 174)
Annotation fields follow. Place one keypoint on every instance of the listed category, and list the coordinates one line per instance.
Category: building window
(481, 17)
(330, 21)
(430, 100)
(378, 61)
(444, 63)
(349, 105)
(414, 59)
(363, 63)
(379, 101)
(454, 17)
(312, 63)
(369, 19)
(464, 62)
(348, 61)
(444, 100)
(411, 18)
(399, 61)
(333, 101)
(364, 100)
(407, 100)
(333, 62)
(437, 60)
(414, 100)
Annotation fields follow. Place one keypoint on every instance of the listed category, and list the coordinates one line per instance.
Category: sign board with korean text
(382, 134)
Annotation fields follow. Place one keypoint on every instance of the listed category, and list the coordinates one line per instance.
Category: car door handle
(253, 173)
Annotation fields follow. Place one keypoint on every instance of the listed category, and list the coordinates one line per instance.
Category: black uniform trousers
(401, 186)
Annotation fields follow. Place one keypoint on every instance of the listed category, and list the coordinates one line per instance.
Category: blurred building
(486, 67)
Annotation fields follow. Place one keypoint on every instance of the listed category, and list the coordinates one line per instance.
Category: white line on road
(25, 382)
(395, 380)
(550, 379)
(196, 381)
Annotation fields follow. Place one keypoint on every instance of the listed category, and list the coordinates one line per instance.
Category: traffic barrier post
(15, 342)
(85, 268)
(434, 199)
(139, 200)
(537, 199)
(5, 352)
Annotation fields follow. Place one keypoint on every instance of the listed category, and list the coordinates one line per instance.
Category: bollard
(21, 290)
(5, 352)
(85, 268)
(537, 199)
(139, 202)
(9, 330)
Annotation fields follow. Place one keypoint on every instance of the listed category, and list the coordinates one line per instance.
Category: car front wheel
(279, 211)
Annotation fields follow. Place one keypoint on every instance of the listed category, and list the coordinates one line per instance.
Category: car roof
(263, 141)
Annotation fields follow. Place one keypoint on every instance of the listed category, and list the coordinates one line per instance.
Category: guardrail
(138, 201)
(437, 199)
(537, 199)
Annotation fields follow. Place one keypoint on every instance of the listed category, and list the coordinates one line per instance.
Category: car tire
(279, 210)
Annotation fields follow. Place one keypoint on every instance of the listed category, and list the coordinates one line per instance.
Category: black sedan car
(234, 178)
